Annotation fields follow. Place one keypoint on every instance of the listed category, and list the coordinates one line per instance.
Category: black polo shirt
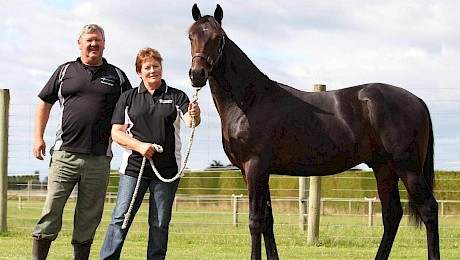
(87, 99)
(153, 119)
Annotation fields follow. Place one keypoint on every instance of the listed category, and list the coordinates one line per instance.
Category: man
(87, 90)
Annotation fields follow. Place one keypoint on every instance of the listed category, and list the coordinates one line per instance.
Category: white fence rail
(235, 202)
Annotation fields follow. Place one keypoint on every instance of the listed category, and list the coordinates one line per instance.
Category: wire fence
(191, 214)
(235, 205)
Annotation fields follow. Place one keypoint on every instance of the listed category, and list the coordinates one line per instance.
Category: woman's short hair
(147, 53)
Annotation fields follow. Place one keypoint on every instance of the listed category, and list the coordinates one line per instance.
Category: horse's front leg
(256, 245)
(269, 235)
(257, 224)
(257, 182)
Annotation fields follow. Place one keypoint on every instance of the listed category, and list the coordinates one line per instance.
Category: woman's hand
(146, 149)
(194, 109)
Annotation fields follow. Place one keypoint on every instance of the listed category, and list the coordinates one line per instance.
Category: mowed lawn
(208, 233)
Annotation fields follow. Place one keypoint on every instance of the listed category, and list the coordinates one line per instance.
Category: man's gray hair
(89, 28)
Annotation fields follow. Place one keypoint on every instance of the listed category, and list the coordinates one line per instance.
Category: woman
(146, 115)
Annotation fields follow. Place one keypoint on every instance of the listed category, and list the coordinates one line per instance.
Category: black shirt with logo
(87, 98)
(153, 119)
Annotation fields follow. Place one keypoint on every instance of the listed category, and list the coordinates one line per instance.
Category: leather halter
(208, 59)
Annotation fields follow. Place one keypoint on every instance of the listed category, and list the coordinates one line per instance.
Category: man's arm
(42, 115)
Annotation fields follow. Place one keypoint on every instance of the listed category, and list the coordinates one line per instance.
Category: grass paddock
(208, 233)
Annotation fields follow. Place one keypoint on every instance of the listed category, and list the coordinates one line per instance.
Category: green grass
(193, 237)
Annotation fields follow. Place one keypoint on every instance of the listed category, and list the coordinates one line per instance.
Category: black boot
(81, 250)
(40, 249)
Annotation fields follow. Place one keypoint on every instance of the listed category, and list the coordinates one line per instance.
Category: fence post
(302, 203)
(20, 201)
(176, 198)
(371, 210)
(29, 188)
(4, 114)
(442, 209)
(314, 198)
(235, 209)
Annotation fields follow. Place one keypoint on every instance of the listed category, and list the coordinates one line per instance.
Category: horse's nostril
(202, 73)
(190, 74)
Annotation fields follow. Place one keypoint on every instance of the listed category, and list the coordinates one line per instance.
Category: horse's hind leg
(269, 236)
(427, 207)
(387, 184)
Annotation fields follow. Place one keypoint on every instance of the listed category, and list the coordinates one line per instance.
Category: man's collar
(104, 62)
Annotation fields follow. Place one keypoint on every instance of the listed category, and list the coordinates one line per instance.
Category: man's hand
(39, 149)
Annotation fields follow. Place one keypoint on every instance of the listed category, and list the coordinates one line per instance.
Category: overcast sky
(411, 44)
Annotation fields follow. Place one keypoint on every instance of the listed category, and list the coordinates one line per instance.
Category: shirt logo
(166, 101)
(107, 81)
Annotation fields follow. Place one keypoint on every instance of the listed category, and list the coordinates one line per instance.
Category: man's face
(91, 47)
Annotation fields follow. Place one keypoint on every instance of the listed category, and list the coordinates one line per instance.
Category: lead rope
(159, 149)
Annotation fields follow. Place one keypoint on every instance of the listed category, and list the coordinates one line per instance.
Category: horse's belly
(318, 160)
(318, 166)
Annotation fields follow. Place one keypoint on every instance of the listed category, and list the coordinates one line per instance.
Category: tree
(216, 163)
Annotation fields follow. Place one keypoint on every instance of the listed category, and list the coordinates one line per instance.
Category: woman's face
(151, 72)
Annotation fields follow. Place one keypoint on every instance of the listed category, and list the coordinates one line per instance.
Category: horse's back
(346, 127)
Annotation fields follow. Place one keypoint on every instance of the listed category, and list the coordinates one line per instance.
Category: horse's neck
(237, 81)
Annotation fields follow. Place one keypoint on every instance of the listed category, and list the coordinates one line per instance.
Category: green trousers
(91, 173)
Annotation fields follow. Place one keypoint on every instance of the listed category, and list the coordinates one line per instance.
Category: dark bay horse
(270, 128)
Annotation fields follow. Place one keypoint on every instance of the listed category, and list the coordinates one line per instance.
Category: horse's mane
(212, 21)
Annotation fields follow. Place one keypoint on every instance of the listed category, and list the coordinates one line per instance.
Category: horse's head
(207, 42)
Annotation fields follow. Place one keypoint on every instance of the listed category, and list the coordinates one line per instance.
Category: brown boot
(81, 250)
(40, 248)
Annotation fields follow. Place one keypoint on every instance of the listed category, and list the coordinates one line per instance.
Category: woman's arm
(193, 110)
(119, 135)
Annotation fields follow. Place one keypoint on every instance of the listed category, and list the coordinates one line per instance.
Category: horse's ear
(196, 12)
(219, 14)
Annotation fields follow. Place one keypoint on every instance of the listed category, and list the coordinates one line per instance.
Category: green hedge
(350, 184)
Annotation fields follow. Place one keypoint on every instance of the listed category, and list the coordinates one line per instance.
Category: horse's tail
(428, 171)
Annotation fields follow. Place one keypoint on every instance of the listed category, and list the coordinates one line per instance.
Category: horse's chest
(236, 136)
(236, 131)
